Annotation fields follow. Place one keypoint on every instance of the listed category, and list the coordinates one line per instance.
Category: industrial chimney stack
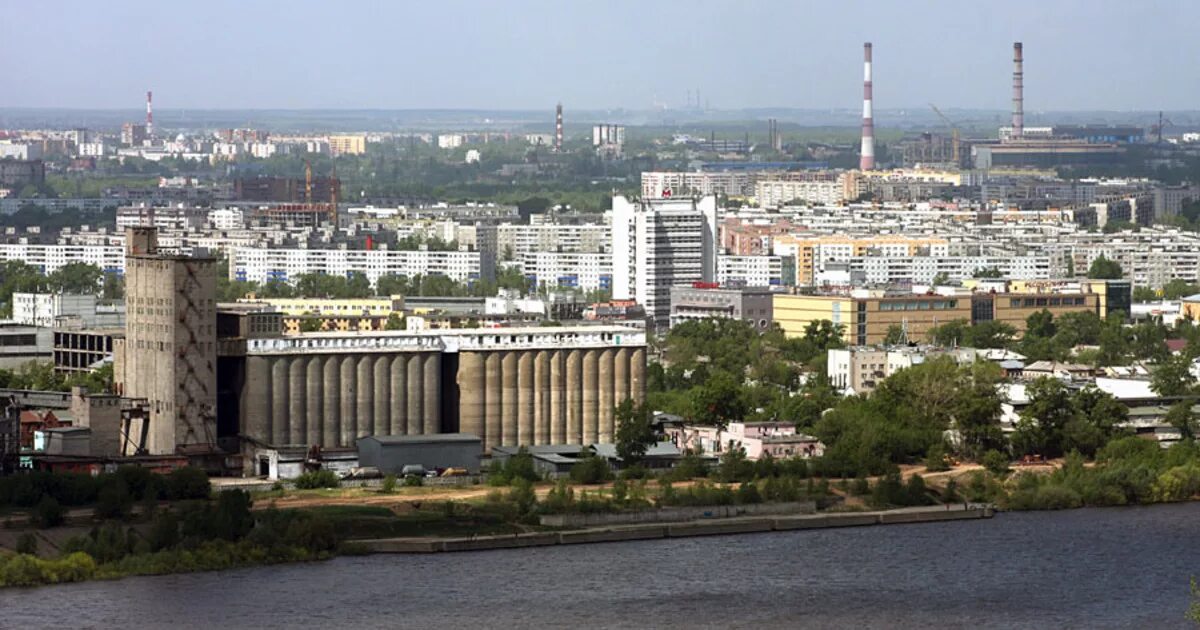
(558, 132)
(867, 161)
(149, 114)
(1018, 121)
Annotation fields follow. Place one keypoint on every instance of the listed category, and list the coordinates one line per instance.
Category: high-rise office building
(661, 243)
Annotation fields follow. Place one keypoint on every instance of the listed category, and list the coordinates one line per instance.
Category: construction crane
(1163, 123)
(953, 133)
(307, 181)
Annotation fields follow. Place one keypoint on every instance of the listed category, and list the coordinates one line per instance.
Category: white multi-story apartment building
(284, 265)
(660, 243)
(575, 270)
(827, 190)
(923, 269)
(659, 184)
(751, 271)
(451, 140)
(51, 258)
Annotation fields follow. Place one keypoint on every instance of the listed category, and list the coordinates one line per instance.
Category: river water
(1096, 568)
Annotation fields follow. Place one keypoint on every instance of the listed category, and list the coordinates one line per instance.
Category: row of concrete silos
(506, 397)
(333, 400)
(547, 396)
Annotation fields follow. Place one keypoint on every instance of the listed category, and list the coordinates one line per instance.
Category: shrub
(115, 501)
(936, 459)
(164, 532)
(523, 496)
(995, 462)
(860, 487)
(413, 481)
(735, 467)
(187, 483)
(748, 494)
(389, 484)
(49, 513)
(591, 470)
(950, 494)
(27, 543)
(315, 479)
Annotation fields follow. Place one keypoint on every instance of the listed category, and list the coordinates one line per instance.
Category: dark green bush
(49, 513)
(315, 479)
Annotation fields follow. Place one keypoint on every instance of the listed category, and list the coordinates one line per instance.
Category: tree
(1181, 416)
(895, 335)
(1173, 377)
(1050, 408)
(942, 278)
(990, 334)
(395, 321)
(635, 431)
(950, 334)
(718, 401)
(76, 278)
(1040, 325)
(977, 410)
(988, 272)
(1104, 269)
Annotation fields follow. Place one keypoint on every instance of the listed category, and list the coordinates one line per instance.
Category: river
(1095, 568)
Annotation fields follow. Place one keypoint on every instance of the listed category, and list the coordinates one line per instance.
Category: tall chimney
(1018, 121)
(149, 114)
(558, 132)
(867, 161)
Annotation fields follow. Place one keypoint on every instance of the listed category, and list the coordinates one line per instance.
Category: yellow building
(865, 319)
(1190, 308)
(808, 251)
(347, 145)
(1112, 296)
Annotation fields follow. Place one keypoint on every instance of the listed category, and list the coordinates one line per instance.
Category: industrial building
(751, 304)
(168, 354)
(391, 453)
(513, 386)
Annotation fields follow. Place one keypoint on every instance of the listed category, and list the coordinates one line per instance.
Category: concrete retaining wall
(649, 531)
(677, 514)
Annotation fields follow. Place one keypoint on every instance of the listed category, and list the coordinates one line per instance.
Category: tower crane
(1163, 123)
(953, 133)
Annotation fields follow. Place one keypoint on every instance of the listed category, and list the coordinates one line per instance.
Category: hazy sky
(517, 54)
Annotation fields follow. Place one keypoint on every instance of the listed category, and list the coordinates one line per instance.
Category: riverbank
(679, 529)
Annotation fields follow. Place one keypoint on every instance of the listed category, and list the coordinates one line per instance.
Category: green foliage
(1104, 269)
(1058, 420)
(734, 466)
(635, 431)
(986, 334)
(523, 496)
(315, 479)
(936, 459)
(591, 470)
(995, 462)
(188, 483)
(1173, 377)
(389, 484)
(518, 466)
(27, 543)
(892, 491)
(114, 501)
(49, 513)
(27, 570)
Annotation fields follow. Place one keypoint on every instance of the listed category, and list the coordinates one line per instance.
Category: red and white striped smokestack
(149, 114)
(867, 161)
(1018, 121)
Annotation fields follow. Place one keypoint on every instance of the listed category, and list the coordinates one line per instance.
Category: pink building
(778, 439)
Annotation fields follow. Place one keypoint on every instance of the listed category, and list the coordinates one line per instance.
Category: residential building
(285, 265)
(752, 271)
(661, 243)
(750, 304)
(661, 184)
(779, 440)
(347, 145)
(568, 270)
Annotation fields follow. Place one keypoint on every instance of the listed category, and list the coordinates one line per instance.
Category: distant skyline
(1079, 55)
